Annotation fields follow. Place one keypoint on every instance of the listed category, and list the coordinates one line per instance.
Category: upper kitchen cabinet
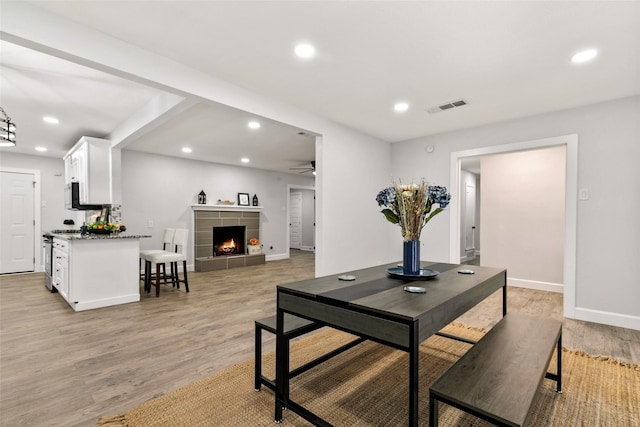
(95, 166)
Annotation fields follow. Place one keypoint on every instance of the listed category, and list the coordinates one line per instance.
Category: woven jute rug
(368, 386)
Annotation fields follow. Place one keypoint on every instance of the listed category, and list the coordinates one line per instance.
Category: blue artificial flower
(439, 195)
(386, 197)
(409, 206)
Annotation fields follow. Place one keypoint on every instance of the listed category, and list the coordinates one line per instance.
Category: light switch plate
(583, 194)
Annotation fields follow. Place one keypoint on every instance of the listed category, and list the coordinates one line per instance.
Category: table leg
(433, 411)
(414, 355)
(282, 366)
(258, 357)
(559, 364)
(504, 297)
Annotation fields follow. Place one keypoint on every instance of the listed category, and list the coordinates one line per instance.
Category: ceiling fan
(305, 169)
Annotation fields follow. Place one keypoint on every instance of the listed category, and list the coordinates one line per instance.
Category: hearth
(229, 240)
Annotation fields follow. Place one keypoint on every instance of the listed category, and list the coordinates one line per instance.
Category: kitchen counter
(90, 236)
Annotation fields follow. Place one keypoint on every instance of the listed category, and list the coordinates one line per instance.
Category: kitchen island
(96, 270)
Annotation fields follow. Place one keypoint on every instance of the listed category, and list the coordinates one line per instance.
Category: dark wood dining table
(376, 306)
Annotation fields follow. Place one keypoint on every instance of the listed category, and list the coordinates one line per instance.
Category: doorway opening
(301, 218)
(570, 204)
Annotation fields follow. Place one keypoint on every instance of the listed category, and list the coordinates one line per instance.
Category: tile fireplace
(215, 228)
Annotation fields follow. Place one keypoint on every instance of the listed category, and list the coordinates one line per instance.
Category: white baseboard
(276, 257)
(306, 248)
(534, 284)
(608, 318)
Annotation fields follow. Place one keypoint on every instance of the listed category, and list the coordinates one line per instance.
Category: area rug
(367, 386)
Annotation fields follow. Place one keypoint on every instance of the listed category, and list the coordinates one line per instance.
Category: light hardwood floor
(62, 368)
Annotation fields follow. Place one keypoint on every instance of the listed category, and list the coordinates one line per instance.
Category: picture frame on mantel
(243, 199)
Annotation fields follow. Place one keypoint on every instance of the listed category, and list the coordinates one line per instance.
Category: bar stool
(180, 241)
(167, 245)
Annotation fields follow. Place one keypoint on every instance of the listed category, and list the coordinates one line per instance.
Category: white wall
(523, 216)
(351, 167)
(163, 189)
(608, 229)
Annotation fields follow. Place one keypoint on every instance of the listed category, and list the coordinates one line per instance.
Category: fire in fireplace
(229, 240)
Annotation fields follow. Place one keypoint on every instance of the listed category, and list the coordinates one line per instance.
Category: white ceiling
(506, 59)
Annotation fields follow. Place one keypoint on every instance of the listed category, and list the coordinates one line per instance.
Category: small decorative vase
(411, 257)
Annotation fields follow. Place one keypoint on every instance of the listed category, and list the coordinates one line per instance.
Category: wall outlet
(150, 224)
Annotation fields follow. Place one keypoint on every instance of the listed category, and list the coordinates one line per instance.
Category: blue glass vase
(411, 257)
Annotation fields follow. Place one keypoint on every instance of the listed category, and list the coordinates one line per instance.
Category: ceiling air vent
(447, 106)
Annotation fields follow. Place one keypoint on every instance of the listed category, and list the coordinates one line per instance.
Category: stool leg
(184, 272)
(175, 278)
(258, 358)
(158, 280)
(164, 274)
(147, 276)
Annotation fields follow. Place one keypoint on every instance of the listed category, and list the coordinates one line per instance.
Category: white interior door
(470, 217)
(17, 253)
(295, 220)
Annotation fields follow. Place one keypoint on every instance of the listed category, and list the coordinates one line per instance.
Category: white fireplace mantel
(226, 208)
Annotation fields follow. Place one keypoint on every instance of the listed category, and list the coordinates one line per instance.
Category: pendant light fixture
(7, 130)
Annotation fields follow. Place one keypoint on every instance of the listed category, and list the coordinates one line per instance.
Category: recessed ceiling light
(305, 50)
(244, 160)
(41, 148)
(51, 120)
(186, 150)
(584, 56)
(254, 125)
(401, 106)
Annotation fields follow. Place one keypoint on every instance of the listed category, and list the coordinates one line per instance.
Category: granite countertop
(78, 236)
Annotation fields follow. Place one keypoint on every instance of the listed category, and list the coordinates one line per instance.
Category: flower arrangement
(254, 242)
(410, 206)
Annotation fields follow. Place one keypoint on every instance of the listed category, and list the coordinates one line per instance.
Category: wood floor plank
(62, 368)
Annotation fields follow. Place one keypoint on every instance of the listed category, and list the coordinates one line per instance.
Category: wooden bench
(498, 378)
(293, 327)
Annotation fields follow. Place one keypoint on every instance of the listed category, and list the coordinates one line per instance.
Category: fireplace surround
(208, 218)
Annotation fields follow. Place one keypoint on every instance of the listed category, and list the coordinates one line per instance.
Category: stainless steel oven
(47, 247)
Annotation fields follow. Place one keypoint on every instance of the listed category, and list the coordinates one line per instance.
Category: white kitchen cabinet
(96, 167)
(71, 167)
(97, 272)
(60, 274)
